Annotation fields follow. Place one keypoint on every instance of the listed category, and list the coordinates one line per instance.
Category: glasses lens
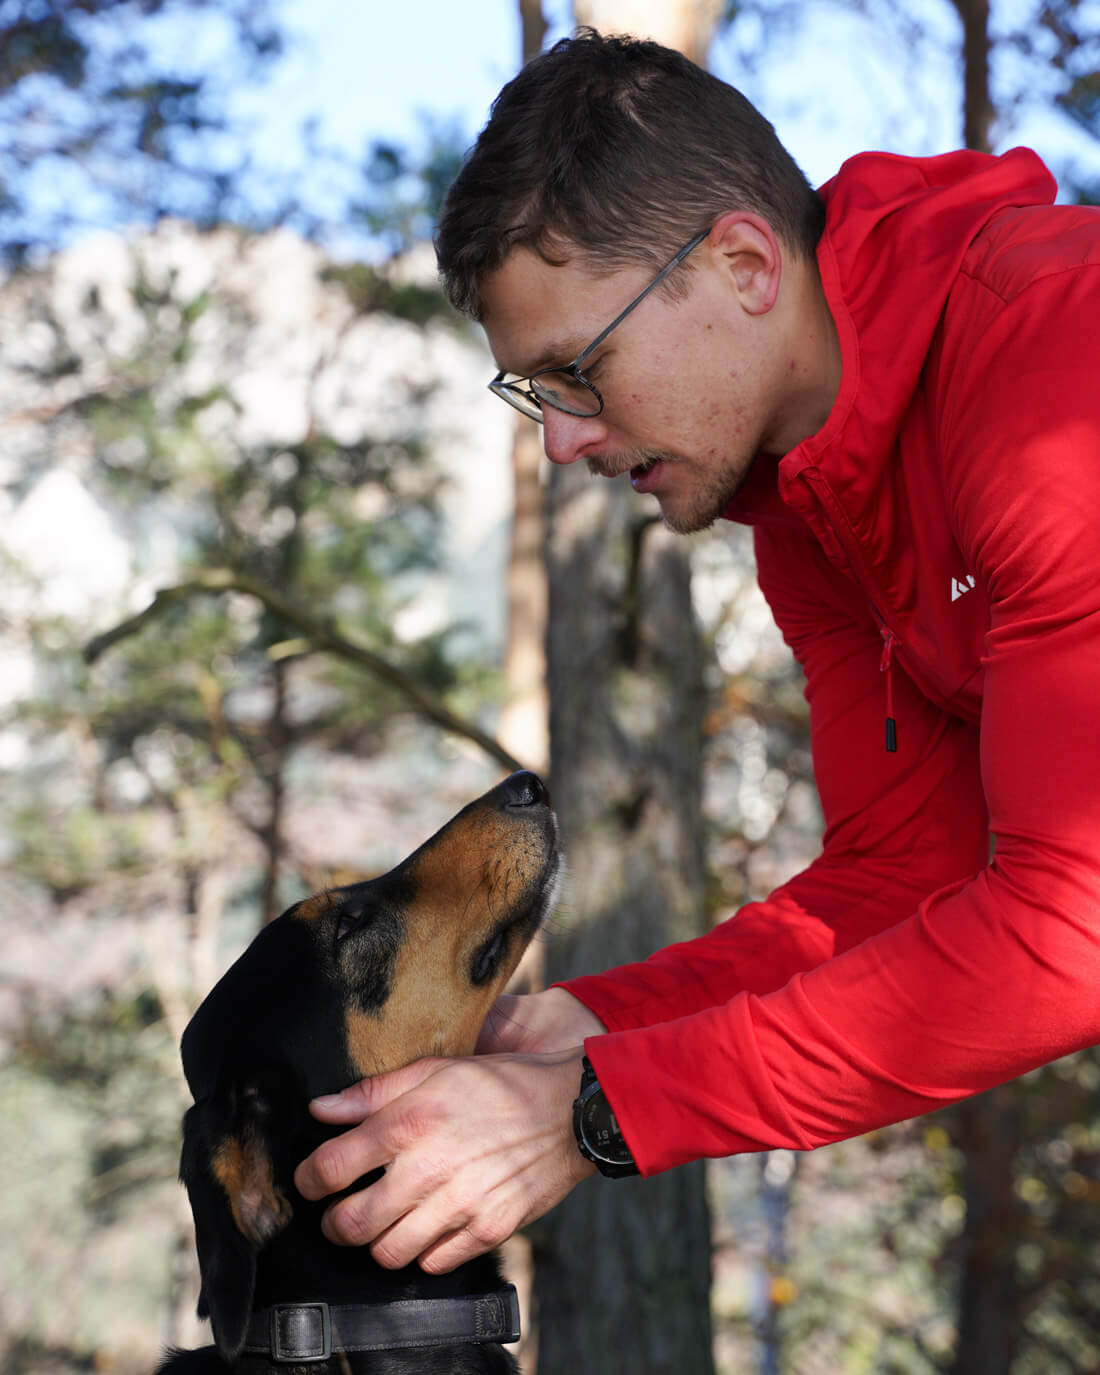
(516, 396)
(566, 392)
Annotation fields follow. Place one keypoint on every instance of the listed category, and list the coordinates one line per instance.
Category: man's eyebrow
(559, 352)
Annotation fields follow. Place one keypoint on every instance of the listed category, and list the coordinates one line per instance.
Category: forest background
(282, 585)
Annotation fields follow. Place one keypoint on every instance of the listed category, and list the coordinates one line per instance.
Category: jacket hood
(897, 230)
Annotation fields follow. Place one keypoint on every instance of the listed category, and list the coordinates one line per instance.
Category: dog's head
(349, 983)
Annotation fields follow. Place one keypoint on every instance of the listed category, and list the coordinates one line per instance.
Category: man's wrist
(575, 1020)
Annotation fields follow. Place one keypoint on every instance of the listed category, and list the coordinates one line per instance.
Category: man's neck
(811, 357)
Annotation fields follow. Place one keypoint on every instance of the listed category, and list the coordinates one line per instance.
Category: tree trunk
(277, 737)
(687, 25)
(524, 718)
(977, 101)
(523, 729)
(987, 1130)
(623, 1267)
(533, 27)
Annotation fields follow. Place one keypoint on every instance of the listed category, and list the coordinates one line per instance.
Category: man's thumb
(367, 1096)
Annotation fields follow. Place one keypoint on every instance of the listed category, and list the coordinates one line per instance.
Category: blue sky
(375, 65)
(836, 85)
(372, 69)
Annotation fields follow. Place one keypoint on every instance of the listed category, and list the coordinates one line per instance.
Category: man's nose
(567, 438)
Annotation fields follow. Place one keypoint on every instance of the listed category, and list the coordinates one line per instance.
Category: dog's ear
(238, 1207)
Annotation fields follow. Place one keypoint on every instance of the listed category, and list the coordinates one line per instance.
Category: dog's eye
(487, 959)
(349, 920)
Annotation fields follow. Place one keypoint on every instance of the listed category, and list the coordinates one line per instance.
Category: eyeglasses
(566, 388)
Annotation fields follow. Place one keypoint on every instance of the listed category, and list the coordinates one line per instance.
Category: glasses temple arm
(637, 301)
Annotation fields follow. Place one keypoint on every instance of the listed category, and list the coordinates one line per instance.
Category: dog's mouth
(522, 927)
(550, 889)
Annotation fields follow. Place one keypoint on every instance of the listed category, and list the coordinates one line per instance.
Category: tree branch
(321, 635)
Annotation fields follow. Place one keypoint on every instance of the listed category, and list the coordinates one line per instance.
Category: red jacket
(944, 525)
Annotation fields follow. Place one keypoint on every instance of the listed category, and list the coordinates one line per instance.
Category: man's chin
(696, 511)
(683, 512)
(688, 522)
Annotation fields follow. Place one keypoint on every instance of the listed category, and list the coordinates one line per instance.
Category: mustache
(614, 465)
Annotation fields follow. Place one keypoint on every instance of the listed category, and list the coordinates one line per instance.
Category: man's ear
(227, 1169)
(752, 257)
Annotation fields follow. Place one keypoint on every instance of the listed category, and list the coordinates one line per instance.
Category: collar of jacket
(897, 231)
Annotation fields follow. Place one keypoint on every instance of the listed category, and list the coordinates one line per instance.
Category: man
(897, 382)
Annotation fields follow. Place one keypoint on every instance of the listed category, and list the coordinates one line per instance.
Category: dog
(352, 982)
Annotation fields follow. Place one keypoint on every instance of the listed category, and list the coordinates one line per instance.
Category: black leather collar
(299, 1333)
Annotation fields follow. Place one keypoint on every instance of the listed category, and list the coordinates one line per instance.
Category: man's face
(686, 383)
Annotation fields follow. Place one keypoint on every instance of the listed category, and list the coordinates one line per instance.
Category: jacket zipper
(889, 639)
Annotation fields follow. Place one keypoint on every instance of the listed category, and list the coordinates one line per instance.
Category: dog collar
(299, 1333)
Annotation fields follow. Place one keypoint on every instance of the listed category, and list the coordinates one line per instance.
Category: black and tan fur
(352, 982)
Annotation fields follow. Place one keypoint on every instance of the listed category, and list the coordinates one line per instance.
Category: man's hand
(536, 1023)
(473, 1150)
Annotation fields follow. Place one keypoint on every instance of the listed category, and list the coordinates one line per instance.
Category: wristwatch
(598, 1136)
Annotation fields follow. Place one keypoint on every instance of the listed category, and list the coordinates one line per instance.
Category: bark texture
(622, 1273)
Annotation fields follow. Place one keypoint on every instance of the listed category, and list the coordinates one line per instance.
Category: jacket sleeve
(916, 978)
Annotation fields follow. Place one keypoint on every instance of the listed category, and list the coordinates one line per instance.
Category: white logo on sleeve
(960, 586)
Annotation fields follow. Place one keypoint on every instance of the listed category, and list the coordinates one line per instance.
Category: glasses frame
(521, 393)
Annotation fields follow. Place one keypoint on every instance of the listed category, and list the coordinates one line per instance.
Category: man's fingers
(451, 1251)
(468, 1157)
(356, 1220)
(336, 1164)
(369, 1095)
(382, 1215)
(402, 1243)
(427, 1234)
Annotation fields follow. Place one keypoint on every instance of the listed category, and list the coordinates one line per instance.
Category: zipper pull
(884, 667)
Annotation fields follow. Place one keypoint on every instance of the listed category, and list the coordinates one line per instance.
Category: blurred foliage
(882, 1230)
(369, 289)
(92, 1105)
(215, 701)
(103, 99)
(1041, 55)
(150, 808)
(121, 111)
(403, 194)
(160, 803)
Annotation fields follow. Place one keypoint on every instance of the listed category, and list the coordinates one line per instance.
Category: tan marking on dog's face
(309, 909)
(476, 873)
(243, 1169)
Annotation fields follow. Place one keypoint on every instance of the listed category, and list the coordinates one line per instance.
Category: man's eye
(566, 392)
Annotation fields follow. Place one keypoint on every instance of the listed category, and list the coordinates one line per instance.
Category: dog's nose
(525, 789)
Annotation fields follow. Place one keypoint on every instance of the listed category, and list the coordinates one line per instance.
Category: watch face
(601, 1131)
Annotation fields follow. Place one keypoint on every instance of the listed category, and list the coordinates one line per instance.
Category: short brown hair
(623, 149)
